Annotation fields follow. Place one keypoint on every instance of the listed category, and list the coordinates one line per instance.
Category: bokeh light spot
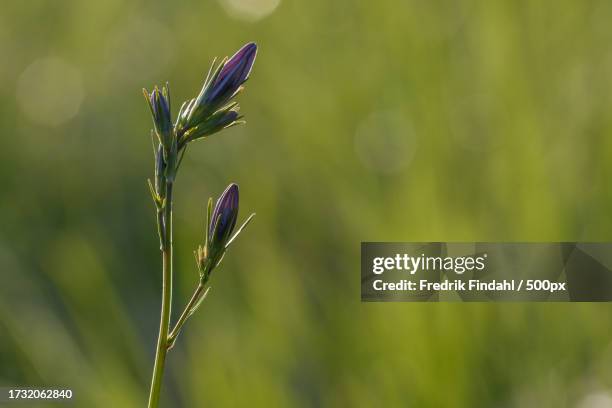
(596, 400)
(249, 10)
(50, 91)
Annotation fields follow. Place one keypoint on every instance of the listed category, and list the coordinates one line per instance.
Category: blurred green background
(387, 120)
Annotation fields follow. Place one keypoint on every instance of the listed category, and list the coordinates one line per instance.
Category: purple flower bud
(223, 219)
(211, 110)
(233, 74)
(240, 63)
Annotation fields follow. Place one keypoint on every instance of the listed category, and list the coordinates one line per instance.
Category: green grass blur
(386, 120)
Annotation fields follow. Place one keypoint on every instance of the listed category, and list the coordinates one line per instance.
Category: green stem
(164, 323)
(186, 312)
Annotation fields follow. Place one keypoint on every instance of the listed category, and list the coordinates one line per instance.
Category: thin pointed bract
(243, 226)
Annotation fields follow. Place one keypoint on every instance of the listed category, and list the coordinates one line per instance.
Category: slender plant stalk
(186, 312)
(210, 112)
(164, 323)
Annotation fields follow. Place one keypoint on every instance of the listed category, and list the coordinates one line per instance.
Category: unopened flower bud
(197, 117)
(233, 74)
(159, 102)
(223, 219)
